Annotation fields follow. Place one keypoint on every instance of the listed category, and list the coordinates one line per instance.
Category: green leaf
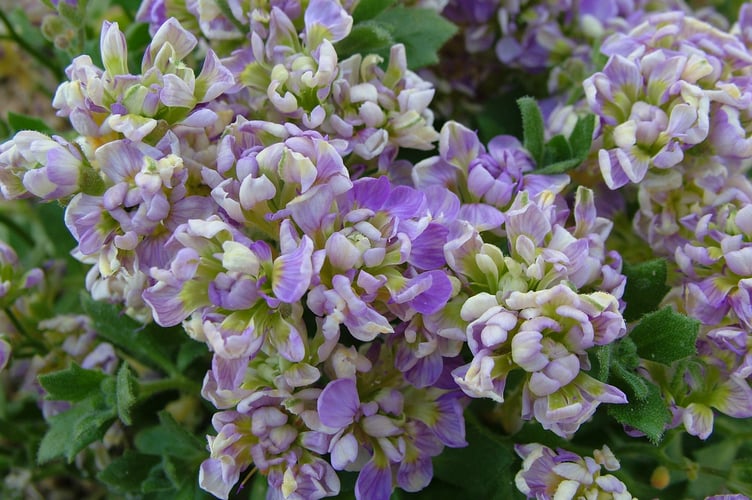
(368, 9)
(157, 480)
(645, 287)
(649, 415)
(600, 361)
(581, 137)
(665, 336)
(532, 128)
(422, 31)
(126, 390)
(740, 476)
(558, 159)
(71, 431)
(148, 345)
(20, 122)
(559, 167)
(128, 472)
(623, 362)
(190, 350)
(170, 439)
(72, 384)
(365, 38)
(557, 150)
(483, 469)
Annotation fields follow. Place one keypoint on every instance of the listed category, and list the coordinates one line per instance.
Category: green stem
(46, 61)
(179, 383)
(16, 228)
(38, 344)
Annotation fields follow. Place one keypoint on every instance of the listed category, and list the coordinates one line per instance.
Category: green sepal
(665, 336)
(71, 384)
(645, 287)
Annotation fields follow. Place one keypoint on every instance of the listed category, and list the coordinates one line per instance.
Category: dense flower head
(672, 84)
(546, 334)
(99, 102)
(32, 163)
(350, 302)
(492, 175)
(295, 76)
(548, 474)
(386, 428)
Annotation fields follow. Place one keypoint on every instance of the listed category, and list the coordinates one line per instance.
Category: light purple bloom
(547, 473)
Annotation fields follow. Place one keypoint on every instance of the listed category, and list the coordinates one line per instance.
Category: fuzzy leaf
(126, 390)
(128, 472)
(72, 384)
(170, 439)
(146, 345)
(581, 137)
(20, 122)
(559, 167)
(422, 31)
(71, 431)
(648, 414)
(557, 150)
(600, 361)
(483, 469)
(645, 288)
(532, 128)
(740, 476)
(365, 38)
(368, 9)
(665, 336)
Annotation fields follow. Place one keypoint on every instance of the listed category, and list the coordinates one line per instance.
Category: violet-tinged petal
(213, 80)
(181, 40)
(113, 49)
(427, 250)
(344, 451)
(426, 293)
(698, 420)
(450, 425)
(5, 352)
(481, 216)
(415, 475)
(217, 478)
(458, 145)
(374, 482)
(339, 403)
(379, 426)
(292, 273)
(326, 19)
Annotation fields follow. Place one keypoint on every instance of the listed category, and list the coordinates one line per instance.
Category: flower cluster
(353, 278)
(562, 474)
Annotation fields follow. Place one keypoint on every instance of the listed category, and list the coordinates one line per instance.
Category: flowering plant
(376, 248)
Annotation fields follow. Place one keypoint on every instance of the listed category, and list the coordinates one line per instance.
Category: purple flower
(5, 353)
(49, 168)
(547, 473)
